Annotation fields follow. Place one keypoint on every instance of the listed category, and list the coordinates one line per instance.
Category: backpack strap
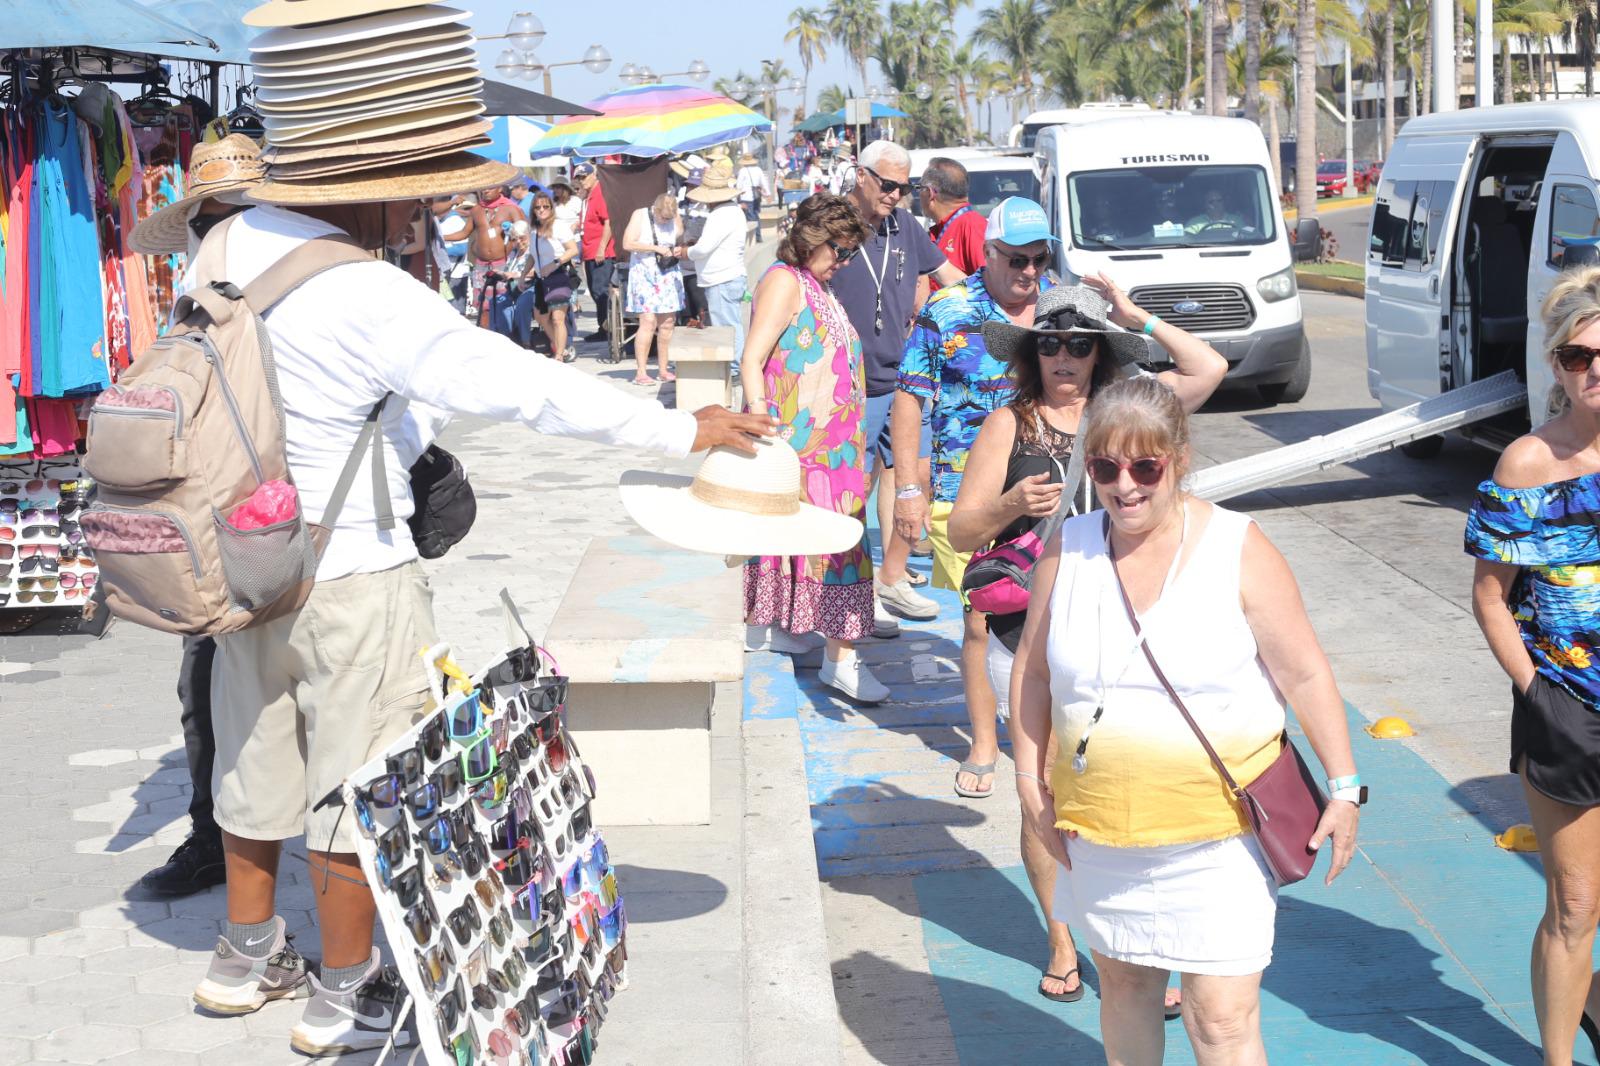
(300, 266)
(369, 437)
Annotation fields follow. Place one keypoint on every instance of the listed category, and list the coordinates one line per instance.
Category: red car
(1330, 176)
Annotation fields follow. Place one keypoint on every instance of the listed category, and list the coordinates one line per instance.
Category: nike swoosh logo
(258, 940)
(270, 982)
(383, 1020)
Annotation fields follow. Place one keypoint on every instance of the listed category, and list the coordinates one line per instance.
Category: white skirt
(1206, 908)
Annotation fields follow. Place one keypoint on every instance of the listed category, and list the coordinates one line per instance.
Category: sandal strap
(970, 767)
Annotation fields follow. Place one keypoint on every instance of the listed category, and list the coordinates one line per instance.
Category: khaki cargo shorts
(299, 702)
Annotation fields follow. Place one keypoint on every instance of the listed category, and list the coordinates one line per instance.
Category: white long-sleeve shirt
(718, 255)
(357, 332)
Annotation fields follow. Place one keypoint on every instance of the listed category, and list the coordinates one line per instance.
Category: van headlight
(1279, 286)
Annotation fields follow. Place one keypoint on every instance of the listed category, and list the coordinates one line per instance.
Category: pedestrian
(878, 289)
(654, 241)
(569, 213)
(694, 214)
(753, 190)
(598, 246)
(804, 367)
(718, 255)
(1531, 529)
(455, 229)
(302, 700)
(1012, 479)
(957, 229)
(493, 216)
(547, 276)
(1159, 870)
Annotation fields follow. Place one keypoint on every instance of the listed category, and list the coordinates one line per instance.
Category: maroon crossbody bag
(1283, 805)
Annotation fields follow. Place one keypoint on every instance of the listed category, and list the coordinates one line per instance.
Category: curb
(1334, 204)
(791, 1015)
(1322, 283)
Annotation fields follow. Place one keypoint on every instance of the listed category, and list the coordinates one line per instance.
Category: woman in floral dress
(802, 364)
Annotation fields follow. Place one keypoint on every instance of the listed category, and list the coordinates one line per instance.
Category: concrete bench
(644, 632)
(704, 358)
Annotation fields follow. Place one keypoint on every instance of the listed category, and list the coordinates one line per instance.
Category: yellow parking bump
(1391, 727)
(1519, 837)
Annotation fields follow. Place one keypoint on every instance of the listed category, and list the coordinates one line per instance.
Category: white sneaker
(850, 676)
(778, 639)
(901, 599)
(884, 627)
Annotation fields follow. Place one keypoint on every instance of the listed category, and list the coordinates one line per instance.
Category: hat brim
(1007, 342)
(327, 168)
(281, 127)
(702, 195)
(661, 503)
(400, 18)
(308, 12)
(366, 129)
(457, 135)
(291, 102)
(400, 53)
(291, 88)
(166, 231)
(447, 36)
(419, 180)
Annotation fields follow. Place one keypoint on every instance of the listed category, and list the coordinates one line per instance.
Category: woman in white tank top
(1160, 872)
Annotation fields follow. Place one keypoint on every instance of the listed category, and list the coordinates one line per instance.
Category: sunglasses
(480, 761)
(465, 921)
(407, 886)
(1077, 345)
(42, 563)
(1147, 471)
(520, 664)
(465, 718)
(842, 254)
(889, 187)
(422, 919)
(1575, 358)
(436, 964)
(1023, 262)
(13, 488)
(613, 924)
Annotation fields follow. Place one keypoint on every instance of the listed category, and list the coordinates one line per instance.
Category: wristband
(1150, 325)
(908, 492)
(1356, 795)
(1348, 781)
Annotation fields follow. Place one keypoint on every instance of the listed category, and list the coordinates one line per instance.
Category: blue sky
(667, 37)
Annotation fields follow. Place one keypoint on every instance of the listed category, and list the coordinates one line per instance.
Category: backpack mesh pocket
(261, 565)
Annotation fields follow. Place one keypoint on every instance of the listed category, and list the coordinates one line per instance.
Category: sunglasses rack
(44, 559)
(494, 889)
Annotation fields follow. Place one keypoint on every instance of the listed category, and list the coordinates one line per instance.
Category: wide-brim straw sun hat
(308, 12)
(376, 149)
(232, 164)
(360, 55)
(716, 184)
(327, 168)
(417, 118)
(1065, 309)
(286, 128)
(442, 175)
(355, 26)
(738, 505)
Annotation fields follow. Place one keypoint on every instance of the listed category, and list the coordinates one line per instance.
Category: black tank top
(1027, 459)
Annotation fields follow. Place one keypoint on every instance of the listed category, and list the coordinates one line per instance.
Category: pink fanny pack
(999, 579)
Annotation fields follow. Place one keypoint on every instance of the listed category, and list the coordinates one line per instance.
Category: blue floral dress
(650, 289)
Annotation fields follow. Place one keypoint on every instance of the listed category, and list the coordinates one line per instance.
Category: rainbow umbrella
(650, 121)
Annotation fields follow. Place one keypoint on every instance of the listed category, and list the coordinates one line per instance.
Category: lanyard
(881, 272)
(1080, 758)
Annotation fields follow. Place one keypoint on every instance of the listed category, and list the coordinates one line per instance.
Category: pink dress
(816, 389)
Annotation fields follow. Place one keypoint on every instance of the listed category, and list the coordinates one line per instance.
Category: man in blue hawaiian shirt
(946, 362)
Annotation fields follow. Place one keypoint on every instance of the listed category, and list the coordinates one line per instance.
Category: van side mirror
(1307, 238)
(1577, 255)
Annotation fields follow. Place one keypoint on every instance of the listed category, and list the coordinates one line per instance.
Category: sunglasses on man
(890, 188)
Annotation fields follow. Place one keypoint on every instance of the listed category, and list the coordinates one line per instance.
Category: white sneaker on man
(884, 626)
(901, 599)
(850, 676)
(778, 639)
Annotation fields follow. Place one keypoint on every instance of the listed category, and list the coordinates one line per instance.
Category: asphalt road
(1351, 226)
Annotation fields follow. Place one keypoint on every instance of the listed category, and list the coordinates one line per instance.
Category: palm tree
(831, 98)
(1305, 108)
(1016, 28)
(1388, 76)
(1252, 60)
(808, 32)
(1151, 10)
(856, 25)
(1216, 57)
(967, 66)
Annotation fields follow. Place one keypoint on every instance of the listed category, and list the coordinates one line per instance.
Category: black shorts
(1558, 736)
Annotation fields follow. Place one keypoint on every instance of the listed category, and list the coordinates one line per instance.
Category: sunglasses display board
(494, 888)
(44, 560)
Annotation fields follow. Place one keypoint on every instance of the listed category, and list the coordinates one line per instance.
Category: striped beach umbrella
(651, 121)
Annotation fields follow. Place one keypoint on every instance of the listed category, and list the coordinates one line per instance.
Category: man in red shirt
(599, 246)
(957, 229)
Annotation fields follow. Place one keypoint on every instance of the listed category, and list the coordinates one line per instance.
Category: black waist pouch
(445, 507)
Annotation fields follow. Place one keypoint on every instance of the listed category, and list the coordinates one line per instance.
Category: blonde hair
(664, 207)
(1572, 306)
(1137, 417)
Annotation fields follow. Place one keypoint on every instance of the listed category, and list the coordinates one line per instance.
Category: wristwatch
(1348, 788)
(908, 492)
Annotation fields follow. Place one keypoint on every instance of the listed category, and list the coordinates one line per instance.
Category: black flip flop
(1063, 997)
(1173, 1012)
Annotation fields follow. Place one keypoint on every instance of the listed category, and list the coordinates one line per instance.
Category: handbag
(445, 506)
(999, 579)
(664, 261)
(1283, 805)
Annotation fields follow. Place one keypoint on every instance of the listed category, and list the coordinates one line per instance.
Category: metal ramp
(1447, 411)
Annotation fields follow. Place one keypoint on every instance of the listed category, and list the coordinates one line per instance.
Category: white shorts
(1000, 660)
(1207, 908)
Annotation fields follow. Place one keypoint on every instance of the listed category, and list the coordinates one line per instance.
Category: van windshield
(986, 188)
(1171, 207)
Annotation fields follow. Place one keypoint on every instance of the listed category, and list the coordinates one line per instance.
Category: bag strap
(1150, 656)
(368, 437)
(1069, 482)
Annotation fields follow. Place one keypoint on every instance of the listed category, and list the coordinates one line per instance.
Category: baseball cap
(582, 169)
(1016, 221)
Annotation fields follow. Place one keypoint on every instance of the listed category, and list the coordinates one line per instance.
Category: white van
(992, 175)
(1474, 213)
(1180, 210)
(1025, 134)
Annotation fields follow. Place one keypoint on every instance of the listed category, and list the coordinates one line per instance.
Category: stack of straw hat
(368, 100)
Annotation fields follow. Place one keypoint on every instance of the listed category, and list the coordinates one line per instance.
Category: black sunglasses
(844, 255)
(1078, 345)
(890, 187)
(1022, 262)
(1575, 358)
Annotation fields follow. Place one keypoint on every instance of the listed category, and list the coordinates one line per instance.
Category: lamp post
(643, 75)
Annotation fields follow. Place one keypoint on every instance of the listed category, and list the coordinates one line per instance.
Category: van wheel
(1423, 447)
(1294, 390)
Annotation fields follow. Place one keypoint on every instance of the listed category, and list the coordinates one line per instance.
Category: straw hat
(716, 184)
(368, 100)
(687, 167)
(232, 164)
(1065, 309)
(747, 160)
(738, 504)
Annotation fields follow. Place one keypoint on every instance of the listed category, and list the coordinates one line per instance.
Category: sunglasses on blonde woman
(1106, 470)
(1575, 358)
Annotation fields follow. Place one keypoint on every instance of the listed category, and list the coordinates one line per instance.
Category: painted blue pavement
(1418, 954)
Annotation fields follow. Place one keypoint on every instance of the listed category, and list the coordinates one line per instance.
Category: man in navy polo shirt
(878, 289)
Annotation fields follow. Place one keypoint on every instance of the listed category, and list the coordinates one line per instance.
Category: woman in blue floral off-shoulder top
(1535, 530)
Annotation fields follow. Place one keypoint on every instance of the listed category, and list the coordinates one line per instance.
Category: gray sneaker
(239, 984)
(901, 599)
(358, 1020)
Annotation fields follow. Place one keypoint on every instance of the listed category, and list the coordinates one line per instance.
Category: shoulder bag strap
(370, 436)
(1216, 760)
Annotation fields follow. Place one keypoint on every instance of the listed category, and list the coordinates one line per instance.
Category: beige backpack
(186, 436)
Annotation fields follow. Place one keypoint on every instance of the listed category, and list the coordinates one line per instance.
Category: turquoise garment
(947, 362)
(69, 316)
(1553, 533)
(23, 445)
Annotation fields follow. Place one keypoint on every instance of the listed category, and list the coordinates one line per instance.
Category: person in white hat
(301, 701)
(718, 255)
(753, 189)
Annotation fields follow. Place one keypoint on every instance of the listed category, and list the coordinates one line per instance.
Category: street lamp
(596, 59)
(698, 71)
(525, 30)
(628, 73)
